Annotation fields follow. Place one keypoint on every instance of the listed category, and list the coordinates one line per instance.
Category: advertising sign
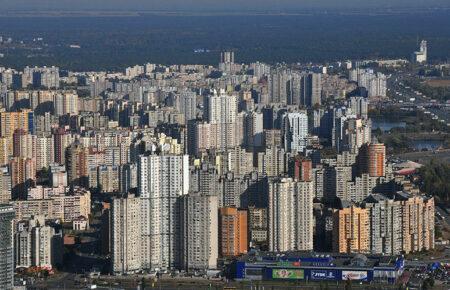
(288, 274)
(323, 275)
(254, 273)
(354, 275)
(288, 264)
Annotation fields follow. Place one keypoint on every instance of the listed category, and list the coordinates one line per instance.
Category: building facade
(6, 247)
(290, 215)
(125, 239)
(162, 180)
(200, 232)
(233, 228)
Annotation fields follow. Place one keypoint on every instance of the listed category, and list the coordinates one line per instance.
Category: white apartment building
(295, 131)
(162, 179)
(290, 215)
(37, 244)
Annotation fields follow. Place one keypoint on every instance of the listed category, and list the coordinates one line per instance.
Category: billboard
(288, 274)
(254, 273)
(323, 275)
(354, 275)
(289, 264)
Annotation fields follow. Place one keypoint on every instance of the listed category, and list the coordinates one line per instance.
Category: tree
(428, 283)
(435, 178)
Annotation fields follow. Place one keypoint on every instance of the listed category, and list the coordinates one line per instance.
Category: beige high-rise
(351, 230)
(417, 222)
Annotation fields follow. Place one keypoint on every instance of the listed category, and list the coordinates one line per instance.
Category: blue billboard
(323, 275)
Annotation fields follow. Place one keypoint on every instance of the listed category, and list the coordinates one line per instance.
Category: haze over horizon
(213, 5)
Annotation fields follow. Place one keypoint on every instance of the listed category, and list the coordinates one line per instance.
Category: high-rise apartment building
(272, 162)
(336, 179)
(128, 177)
(66, 103)
(6, 247)
(374, 83)
(44, 145)
(233, 231)
(47, 77)
(295, 131)
(377, 160)
(24, 144)
(389, 223)
(134, 71)
(200, 231)
(280, 87)
(23, 173)
(257, 225)
(188, 105)
(222, 128)
(62, 140)
(351, 133)
(6, 149)
(417, 220)
(372, 159)
(351, 230)
(37, 244)
(204, 179)
(311, 90)
(5, 185)
(302, 170)
(385, 229)
(77, 164)
(253, 130)
(125, 234)
(11, 121)
(57, 206)
(290, 215)
(359, 106)
(220, 108)
(108, 178)
(58, 175)
(227, 57)
(227, 62)
(162, 180)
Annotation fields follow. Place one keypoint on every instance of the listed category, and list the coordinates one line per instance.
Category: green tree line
(436, 180)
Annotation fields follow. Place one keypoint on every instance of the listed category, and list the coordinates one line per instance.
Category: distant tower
(227, 57)
(227, 61)
(423, 48)
(311, 90)
(421, 55)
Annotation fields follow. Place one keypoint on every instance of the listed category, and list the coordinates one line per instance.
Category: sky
(207, 5)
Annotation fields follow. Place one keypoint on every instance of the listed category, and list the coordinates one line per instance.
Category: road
(407, 96)
(128, 283)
